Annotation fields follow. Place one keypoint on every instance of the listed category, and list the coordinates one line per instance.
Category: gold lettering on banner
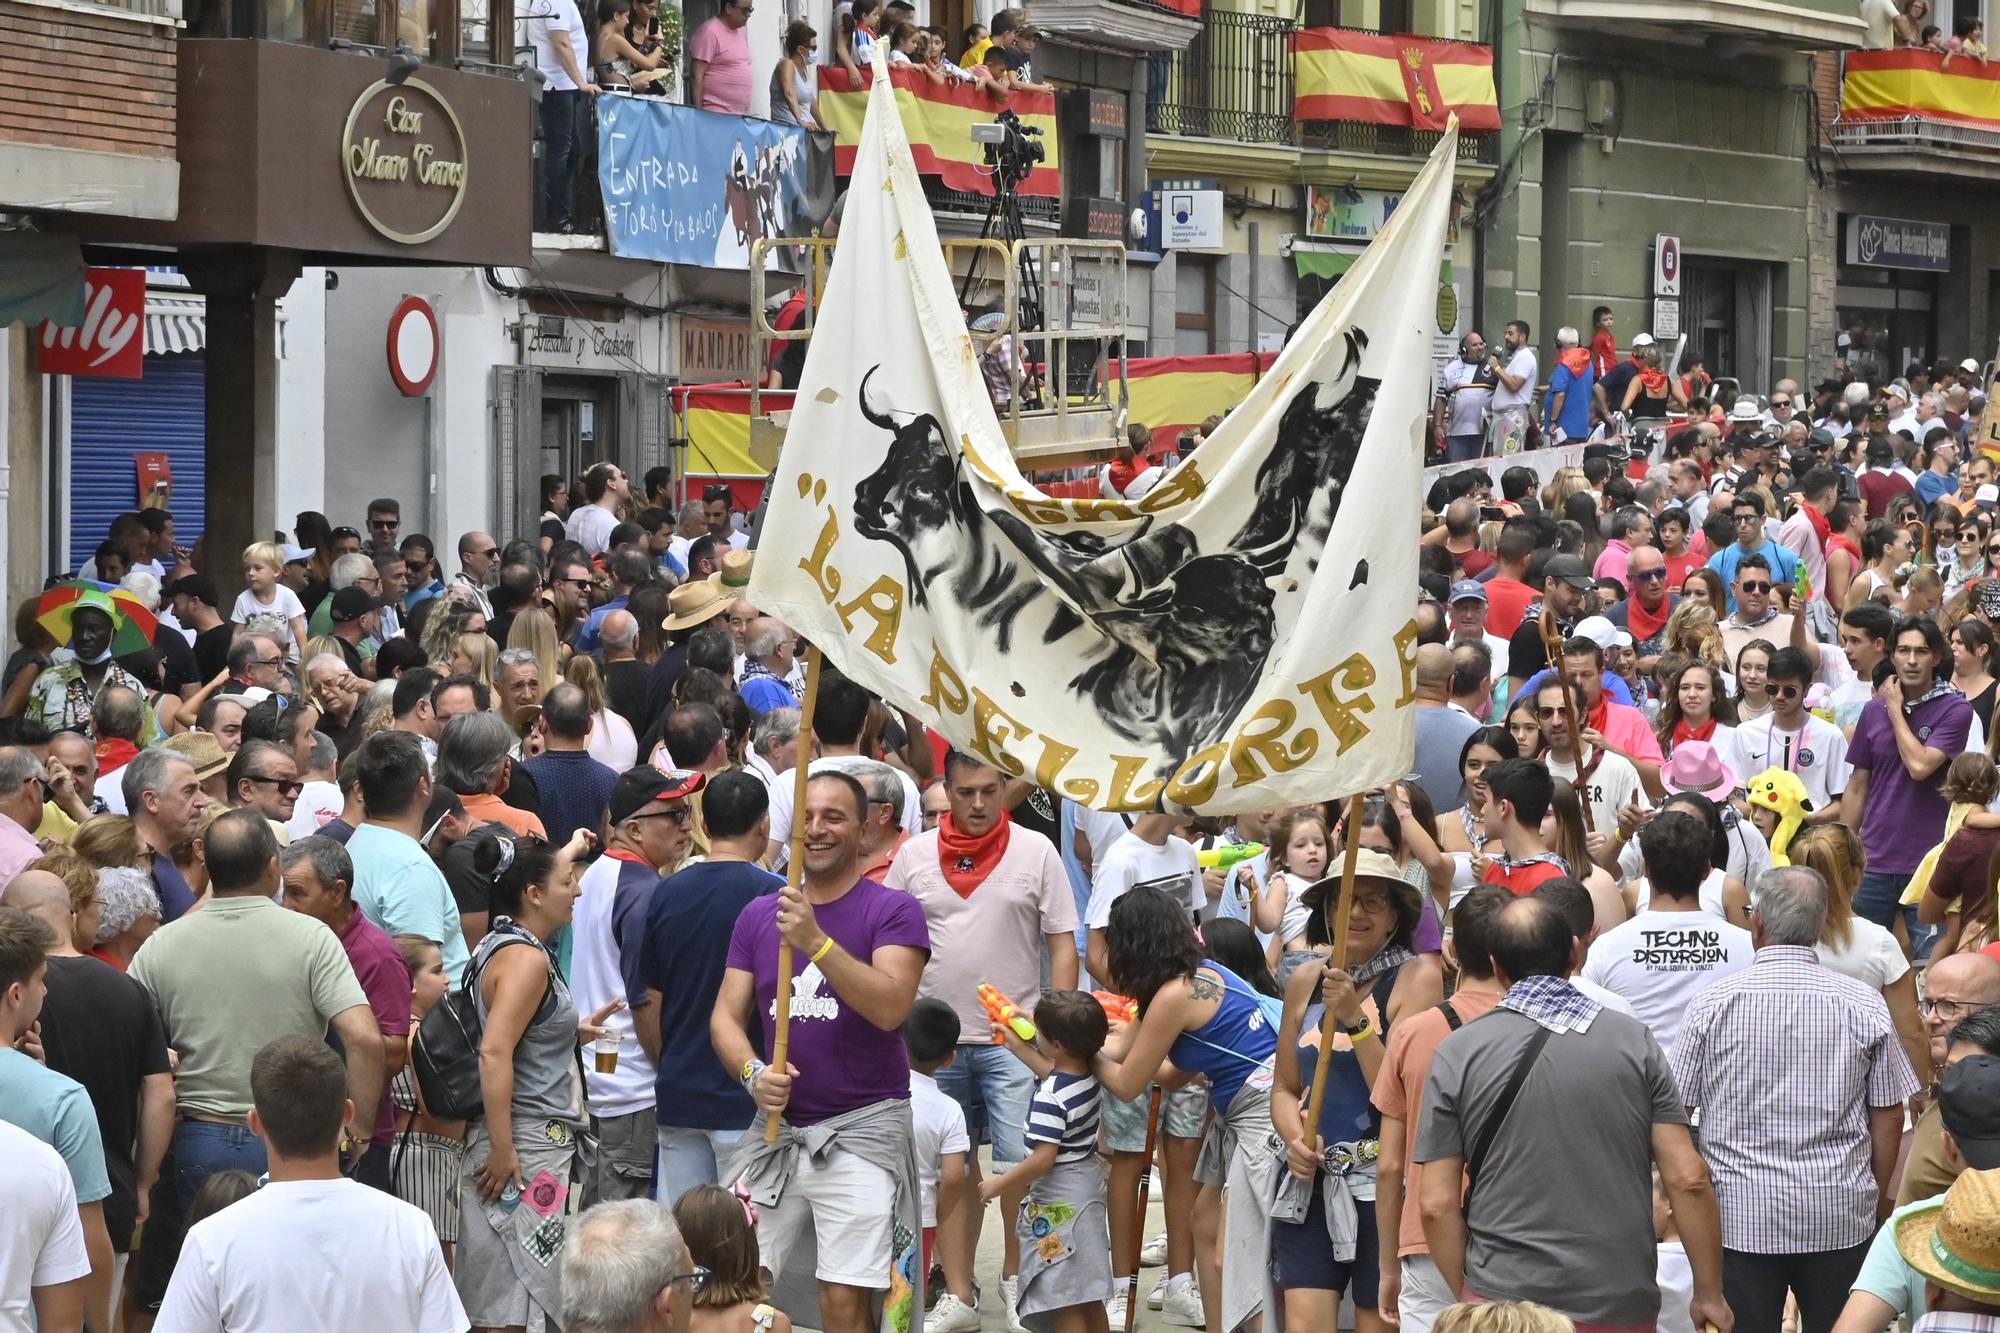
(1263, 733)
(1343, 716)
(882, 603)
(1406, 654)
(947, 687)
(1181, 485)
(408, 178)
(1195, 781)
(990, 740)
(1123, 795)
(823, 574)
(1048, 773)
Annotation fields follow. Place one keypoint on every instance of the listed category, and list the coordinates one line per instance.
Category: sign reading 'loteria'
(402, 155)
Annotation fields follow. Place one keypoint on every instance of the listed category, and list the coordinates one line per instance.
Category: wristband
(825, 947)
(751, 1069)
(1354, 1034)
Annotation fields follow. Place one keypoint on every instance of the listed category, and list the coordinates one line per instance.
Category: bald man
(99, 1028)
(1441, 731)
(624, 673)
(1955, 988)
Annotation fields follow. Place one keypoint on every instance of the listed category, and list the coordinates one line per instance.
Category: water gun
(1803, 588)
(1002, 1012)
(1226, 854)
(1121, 1008)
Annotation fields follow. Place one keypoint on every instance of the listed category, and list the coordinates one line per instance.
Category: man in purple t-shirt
(319, 879)
(1906, 734)
(720, 58)
(858, 951)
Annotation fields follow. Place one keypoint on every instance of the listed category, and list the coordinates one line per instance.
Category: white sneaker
(1114, 1310)
(951, 1315)
(1183, 1307)
(1010, 1293)
(1158, 1294)
(1154, 1254)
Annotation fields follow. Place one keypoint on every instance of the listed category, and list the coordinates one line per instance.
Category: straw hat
(700, 600)
(1956, 1243)
(201, 750)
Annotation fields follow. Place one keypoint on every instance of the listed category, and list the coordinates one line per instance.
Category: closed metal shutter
(113, 421)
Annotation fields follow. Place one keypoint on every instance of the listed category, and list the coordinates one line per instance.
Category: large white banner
(1239, 638)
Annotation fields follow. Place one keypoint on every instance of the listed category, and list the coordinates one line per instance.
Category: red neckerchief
(1645, 624)
(114, 754)
(1575, 359)
(1654, 382)
(1683, 732)
(620, 854)
(1821, 528)
(1598, 716)
(966, 862)
(1125, 471)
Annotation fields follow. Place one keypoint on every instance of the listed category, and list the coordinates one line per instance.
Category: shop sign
(1898, 243)
(714, 350)
(1191, 219)
(402, 154)
(107, 345)
(1342, 213)
(552, 340)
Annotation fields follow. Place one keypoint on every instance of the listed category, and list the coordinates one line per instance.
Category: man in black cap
(353, 617)
(649, 817)
(1969, 1097)
(194, 603)
(1565, 579)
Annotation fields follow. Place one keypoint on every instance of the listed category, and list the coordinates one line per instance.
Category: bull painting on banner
(686, 186)
(1239, 638)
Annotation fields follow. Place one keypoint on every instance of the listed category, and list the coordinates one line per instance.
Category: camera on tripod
(1012, 148)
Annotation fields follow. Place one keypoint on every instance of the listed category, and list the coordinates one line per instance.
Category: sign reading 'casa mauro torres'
(402, 155)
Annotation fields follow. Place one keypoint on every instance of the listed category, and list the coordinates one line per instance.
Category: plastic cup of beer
(606, 1050)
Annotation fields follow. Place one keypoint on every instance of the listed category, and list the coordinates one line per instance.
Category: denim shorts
(1182, 1115)
(994, 1089)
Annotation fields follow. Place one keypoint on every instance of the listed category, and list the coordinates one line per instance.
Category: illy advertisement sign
(1898, 243)
(110, 343)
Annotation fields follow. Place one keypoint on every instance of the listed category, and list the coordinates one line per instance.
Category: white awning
(175, 323)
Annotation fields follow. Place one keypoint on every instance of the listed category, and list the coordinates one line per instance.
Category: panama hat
(1955, 1244)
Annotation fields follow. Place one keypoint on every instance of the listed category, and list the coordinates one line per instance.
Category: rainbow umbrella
(133, 623)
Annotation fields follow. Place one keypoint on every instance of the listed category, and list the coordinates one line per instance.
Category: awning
(175, 323)
(41, 277)
(1319, 260)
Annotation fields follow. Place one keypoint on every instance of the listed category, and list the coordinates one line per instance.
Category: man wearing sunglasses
(1605, 780)
(265, 778)
(1791, 738)
(649, 816)
(1746, 512)
(1756, 615)
(478, 554)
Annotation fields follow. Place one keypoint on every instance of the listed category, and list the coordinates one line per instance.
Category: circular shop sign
(402, 155)
(413, 345)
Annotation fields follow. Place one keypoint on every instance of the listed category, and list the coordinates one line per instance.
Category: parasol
(133, 623)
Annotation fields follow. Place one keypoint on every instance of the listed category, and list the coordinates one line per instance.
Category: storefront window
(1889, 317)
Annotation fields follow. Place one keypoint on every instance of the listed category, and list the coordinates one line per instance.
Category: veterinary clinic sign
(1898, 243)
(402, 154)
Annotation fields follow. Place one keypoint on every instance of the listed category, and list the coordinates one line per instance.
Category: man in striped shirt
(1801, 1082)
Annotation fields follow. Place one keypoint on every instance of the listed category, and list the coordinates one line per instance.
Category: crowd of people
(443, 920)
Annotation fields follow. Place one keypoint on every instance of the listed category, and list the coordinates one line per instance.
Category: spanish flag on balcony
(1171, 394)
(1393, 79)
(1889, 85)
(717, 419)
(938, 118)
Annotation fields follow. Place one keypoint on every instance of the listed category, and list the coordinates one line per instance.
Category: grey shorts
(1182, 1113)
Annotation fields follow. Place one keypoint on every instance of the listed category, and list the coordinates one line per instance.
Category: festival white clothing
(940, 1126)
(781, 795)
(1817, 753)
(1611, 783)
(1710, 892)
(1659, 961)
(1132, 862)
(1871, 955)
(590, 527)
(1522, 363)
(41, 1243)
(317, 803)
(596, 979)
(313, 1254)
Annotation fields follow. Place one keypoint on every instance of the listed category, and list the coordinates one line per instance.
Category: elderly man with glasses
(264, 777)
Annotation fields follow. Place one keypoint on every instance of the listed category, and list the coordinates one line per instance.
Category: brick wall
(98, 81)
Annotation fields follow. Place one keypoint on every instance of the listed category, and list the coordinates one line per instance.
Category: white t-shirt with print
(940, 1127)
(1661, 960)
(272, 619)
(41, 1244)
(1612, 783)
(1816, 752)
(1134, 861)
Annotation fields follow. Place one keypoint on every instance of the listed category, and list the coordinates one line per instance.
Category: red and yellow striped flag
(717, 417)
(1393, 79)
(1172, 394)
(1889, 85)
(938, 118)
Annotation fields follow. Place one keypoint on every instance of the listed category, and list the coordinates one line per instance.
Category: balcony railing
(1238, 81)
(1907, 101)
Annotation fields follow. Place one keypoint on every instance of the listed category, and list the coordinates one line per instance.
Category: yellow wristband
(1367, 1029)
(821, 952)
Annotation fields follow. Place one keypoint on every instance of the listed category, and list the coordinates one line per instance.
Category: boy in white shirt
(266, 606)
(1791, 738)
(930, 1034)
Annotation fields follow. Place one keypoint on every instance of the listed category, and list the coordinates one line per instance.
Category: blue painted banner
(683, 186)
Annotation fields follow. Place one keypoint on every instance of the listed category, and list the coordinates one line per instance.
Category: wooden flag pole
(781, 1041)
(1343, 908)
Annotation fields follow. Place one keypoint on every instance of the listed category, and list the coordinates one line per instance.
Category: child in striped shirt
(1064, 1227)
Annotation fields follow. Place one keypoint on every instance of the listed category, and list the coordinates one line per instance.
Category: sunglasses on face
(1546, 713)
(1754, 587)
(1649, 575)
(1786, 691)
(1745, 518)
(385, 522)
(285, 786)
(490, 552)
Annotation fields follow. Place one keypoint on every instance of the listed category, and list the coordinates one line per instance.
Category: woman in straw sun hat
(1955, 1244)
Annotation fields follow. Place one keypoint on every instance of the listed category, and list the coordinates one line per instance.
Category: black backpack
(444, 1050)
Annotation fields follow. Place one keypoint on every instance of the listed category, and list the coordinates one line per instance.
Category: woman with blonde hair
(612, 742)
(110, 840)
(1694, 632)
(1502, 1317)
(561, 603)
(1853, 945)
(448, 618)
(473, 655)
(1567, 481)
(535, 630)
